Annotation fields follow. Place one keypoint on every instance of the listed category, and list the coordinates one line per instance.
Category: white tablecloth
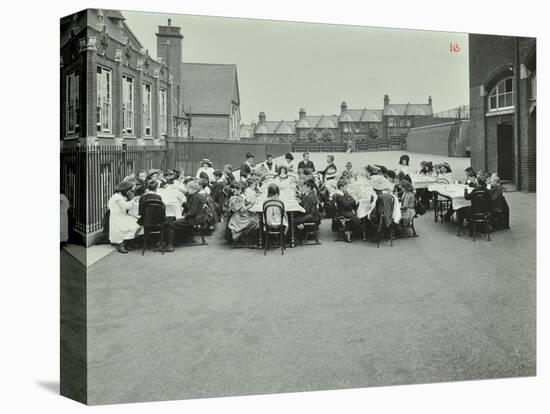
(422, 181)
(453, 191)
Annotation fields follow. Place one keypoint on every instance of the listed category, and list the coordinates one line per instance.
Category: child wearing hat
(122, 226)
(407, 203)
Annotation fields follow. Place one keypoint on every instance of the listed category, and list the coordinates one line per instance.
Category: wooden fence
(90, 173)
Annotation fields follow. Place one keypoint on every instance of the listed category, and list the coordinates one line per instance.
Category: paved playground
(213, 321)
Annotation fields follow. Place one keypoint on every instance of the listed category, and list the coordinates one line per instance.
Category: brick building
(503, 107)
(211, 95)
(388, 126)
(113, 92)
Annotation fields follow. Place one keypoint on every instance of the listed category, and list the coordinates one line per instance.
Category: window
(127, 105)
(147, 109)
(72, 105)
(408, 123)
(391, 122)
(162, 111)
(502, 95)
(402, 123)
(104, 110)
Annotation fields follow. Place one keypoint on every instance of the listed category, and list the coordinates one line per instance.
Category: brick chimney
(302, 113)
(386, 100)
(261, 118)
(169, 47)
(343, 107)
(430, 100)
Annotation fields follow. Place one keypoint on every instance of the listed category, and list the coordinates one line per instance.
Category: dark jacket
(310, 203)
(245, 170)
(143, 200)
(193, 210)
(497, 198)
(478, 190)
(304, 165)
(345, 205)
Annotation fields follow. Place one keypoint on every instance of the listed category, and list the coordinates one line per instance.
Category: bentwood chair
(275, 210)
(153, 219)
(480, 213)
(441, 204)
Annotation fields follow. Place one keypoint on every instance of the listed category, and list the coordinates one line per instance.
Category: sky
(284, 66)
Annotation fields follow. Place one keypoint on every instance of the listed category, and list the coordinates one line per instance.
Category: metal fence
(320, 146)
(460, 112)
(90, 173)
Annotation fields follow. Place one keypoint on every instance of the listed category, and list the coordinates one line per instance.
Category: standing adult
(206, 167)
(306, 163)
(247, 165)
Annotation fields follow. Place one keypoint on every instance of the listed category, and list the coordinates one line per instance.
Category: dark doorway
(505, 140)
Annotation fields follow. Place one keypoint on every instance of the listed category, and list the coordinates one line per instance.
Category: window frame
(147, 117)
(494, 93)
(163, 112)
(72, 103)
(102, 73)
(128, 102)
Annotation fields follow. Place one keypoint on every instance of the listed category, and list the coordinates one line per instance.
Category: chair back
(154, 213)
(441, 180)
(481, 204)
(273, 213)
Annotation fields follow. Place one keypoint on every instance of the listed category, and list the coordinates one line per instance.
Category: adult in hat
(247, 165)
(206, 167)
(122, 226)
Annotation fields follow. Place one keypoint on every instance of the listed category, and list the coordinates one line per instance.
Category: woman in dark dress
(346, 208)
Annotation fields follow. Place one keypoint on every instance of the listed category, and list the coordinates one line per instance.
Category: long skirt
(122, 227)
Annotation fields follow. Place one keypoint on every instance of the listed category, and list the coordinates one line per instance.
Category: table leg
(292, 230)
(260, 231)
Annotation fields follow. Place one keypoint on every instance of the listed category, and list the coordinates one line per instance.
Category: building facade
(388, 126)
(503, 107)
(114, 93)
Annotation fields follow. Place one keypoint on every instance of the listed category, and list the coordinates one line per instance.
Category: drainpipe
(517, 116)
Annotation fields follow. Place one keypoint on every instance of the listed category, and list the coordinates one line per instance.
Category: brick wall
(210, 126)
(430, 139)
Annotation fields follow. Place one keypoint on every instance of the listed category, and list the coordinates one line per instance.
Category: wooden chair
(311, 230)
(342, 223)
(441, 204)
(153, 219)
(274, 229)
(480, 213)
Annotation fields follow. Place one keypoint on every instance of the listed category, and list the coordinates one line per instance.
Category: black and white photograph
(252, 206)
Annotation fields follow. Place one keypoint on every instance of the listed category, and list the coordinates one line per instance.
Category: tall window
(104, 109)
(127, 105)
(391, 122)
(147, 109)
(502, 95)
(162, 111)
(72, 103)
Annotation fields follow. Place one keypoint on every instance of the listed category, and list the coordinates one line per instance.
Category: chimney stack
(302, 113)
(386, 100)
(430, 100)
(343, 107)
(261, 118)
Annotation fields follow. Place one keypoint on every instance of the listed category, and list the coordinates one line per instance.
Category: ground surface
(211, 321)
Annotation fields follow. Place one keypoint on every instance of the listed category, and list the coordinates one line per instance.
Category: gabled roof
(408, 109)
(275, 127)
(365, 115)
(318, 121)
(210, 88)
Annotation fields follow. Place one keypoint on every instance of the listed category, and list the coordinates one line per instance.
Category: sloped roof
(275, 127)
(210, 88)
(408, 109)
(112, 19)
(318, 121)
(327, 122)
(365, 115)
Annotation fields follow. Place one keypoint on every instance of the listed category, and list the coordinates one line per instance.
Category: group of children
(212, 196)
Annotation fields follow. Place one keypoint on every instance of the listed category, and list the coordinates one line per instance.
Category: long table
(423, 181)
(455, 193)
